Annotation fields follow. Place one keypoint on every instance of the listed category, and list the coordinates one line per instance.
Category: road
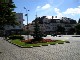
(66, 51)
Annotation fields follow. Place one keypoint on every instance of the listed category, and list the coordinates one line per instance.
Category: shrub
(16, 37)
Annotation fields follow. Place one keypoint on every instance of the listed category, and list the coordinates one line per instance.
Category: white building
(49, 25)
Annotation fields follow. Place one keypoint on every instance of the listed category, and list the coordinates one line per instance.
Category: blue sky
(66, 8)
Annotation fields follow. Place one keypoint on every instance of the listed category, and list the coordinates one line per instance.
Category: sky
(60, 8)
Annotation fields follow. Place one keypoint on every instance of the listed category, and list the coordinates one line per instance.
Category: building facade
(50, 25)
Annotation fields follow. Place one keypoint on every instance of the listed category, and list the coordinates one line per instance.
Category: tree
(7, 16)
(79, 20)
(71, 31)
(60, 29)
(77, 27)
(37, 33)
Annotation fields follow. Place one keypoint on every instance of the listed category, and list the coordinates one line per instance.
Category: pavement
(66, 51)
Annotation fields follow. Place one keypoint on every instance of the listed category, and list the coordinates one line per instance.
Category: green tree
(37, 33)
(79, 20)
(71, 31)
(60, 29)
(77, 27)
(7, 15)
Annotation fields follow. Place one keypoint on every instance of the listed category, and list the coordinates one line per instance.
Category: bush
(16, 37)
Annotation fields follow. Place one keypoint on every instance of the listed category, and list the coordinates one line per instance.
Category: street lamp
(27, 22)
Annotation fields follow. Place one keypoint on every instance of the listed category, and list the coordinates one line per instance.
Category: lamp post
(27, 22)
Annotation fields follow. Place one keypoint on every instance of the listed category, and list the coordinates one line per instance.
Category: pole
(27, 28)
(27, 23)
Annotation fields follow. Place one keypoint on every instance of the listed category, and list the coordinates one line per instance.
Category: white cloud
(57, 10)
(47, 9)
(68, 12)
(38, 7)
(46, 6)
(59, 14)
(73, 11)
(78, 6)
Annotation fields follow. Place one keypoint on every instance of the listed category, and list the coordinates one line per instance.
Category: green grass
(18, 42)
(60, 42)
(23, 44)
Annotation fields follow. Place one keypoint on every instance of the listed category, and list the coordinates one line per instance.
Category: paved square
(66, 51)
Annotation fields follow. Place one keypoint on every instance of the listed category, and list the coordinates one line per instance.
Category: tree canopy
(37, 33)
(77, 27)
(60, 29)
(79, 20)
(7, 14)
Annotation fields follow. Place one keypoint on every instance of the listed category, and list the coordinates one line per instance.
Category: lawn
(23, 44)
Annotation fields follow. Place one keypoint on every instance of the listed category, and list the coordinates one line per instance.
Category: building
(50, 25)
(17, 28)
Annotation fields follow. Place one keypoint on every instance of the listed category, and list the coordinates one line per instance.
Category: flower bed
(41, 41)
(44, 42)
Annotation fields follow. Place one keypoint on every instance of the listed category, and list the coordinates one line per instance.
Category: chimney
(55, 16)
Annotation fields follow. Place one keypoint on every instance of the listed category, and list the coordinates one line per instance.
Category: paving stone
(66, 51)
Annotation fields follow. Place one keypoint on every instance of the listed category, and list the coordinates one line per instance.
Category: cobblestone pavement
(66, 51)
